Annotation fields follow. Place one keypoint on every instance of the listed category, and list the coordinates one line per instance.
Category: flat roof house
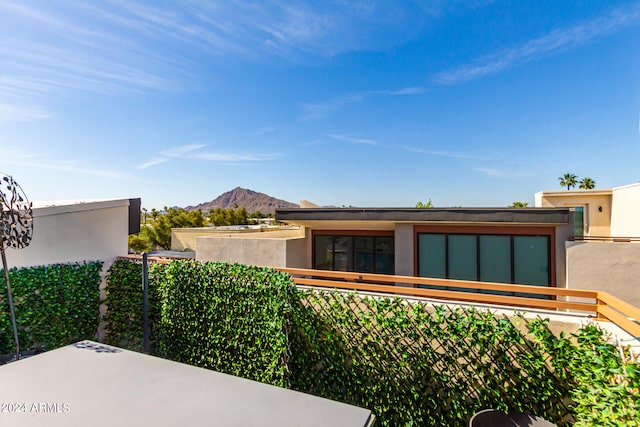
(559, 243)
(524, 246)
(605, 251)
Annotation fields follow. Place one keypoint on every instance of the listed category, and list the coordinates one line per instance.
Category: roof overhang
(576, 193)
(389, 216)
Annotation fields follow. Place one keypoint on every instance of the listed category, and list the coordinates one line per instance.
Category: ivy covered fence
(410, 363)
(55, 305)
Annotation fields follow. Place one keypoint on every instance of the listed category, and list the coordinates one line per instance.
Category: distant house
(523, 246)
(72, 231)
(605, 252)
(600, 213)
(559, 243)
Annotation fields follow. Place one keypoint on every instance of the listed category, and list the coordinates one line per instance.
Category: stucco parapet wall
(48, 208)
(244, 233)
(549, 216)
(576, 193)
(251, 237)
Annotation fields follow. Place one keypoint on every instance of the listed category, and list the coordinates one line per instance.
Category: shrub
(227, 317)
(124, 306)
(410, 363)
(55, 305)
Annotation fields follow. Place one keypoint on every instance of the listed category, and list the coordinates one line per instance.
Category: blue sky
(363, 103)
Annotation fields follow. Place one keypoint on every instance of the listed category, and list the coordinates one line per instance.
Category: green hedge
(55, 305)
(227, 317)
(410, 363)
(124, 306)
(414, 364)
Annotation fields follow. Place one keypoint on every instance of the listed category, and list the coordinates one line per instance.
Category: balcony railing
(620, 239)
(601, 304)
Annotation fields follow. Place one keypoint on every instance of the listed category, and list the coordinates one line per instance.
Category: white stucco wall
(184, 239)
(625, 212)
(265, 252)
(75, 231)
(612, 267)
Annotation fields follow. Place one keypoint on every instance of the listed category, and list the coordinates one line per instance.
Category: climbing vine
(55, 305)
(411, 363)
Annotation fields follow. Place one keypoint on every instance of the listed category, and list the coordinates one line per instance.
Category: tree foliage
(155, 232)
(568, 180)
(158, 233)
(428, 205)
(587, 184)
(229, 216)
(141, 242)
(519, 205)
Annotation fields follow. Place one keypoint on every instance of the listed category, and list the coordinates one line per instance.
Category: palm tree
(568, 180)
(587, 184)
(519, 205)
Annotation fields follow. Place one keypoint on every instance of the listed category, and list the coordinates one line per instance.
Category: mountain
(251, 200)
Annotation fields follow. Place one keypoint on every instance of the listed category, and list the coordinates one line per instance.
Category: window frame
(512, 231)
(352, 234)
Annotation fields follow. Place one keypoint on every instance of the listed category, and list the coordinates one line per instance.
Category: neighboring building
(524, 246)
(72, 231)
(606, 255)
(185, 239)
(602, 213)
(584, 239)
(282, 248)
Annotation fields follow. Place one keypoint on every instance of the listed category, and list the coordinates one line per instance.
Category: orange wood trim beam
(453, 295)
(619, 319)
(412, 280)
(625, 308)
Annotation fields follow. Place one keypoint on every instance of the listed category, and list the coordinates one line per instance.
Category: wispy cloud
(20, 113)
(415, 90)
(313, 111)
(30, 160)
(152, 162)
(264, 131)
(443, 153)
(194, 151)
(234, 157)
(498, 173)
(353, 140)
(181, 150)
(121, 46)
(556, 41)
(320, 109)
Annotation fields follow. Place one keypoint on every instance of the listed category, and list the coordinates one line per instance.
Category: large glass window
(531, 260)
(366, 254)
(385, 257)
(462, 253)
(323, 251)
(578, 221)
(495, 262)
(343, 253)
(521, 259)
(432, 255)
